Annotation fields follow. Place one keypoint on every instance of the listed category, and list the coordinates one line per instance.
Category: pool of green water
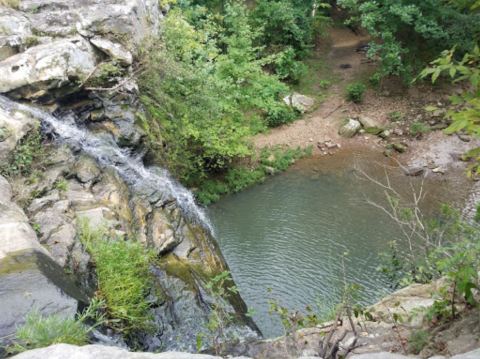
(297, 237)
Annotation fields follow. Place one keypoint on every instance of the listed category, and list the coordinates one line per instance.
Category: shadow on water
(291, 233)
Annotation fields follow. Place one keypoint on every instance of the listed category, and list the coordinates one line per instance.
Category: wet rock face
(29, 278)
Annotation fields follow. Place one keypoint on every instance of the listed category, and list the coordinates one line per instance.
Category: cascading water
(102, 147)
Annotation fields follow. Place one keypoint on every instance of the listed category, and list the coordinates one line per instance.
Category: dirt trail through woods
(346, 64)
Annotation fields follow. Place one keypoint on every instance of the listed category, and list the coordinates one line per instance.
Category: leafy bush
(39, 331)
(124, 280)
(407, 34)
(240, 177)
(280, 114)
(466, 106)
(355, 92)
(202, 82)
(419, 128)
(288, 67)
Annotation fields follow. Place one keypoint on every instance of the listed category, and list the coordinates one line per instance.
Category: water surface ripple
(291, 233)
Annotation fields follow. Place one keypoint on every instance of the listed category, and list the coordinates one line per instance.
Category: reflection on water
(293, 234)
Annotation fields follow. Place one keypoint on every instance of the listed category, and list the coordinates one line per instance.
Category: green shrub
(280, 114)
(29, 154)
(325, 84)
(124, 279)
(203, 81)
(39, 331)
(355, 92)
(419, 128)
(417, 341)
(240, 178)
(395, 116)
(287, 67)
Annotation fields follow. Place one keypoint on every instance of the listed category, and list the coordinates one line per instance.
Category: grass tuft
(39, 331)
(124, 279)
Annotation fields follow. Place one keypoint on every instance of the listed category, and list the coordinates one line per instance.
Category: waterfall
(107, 153)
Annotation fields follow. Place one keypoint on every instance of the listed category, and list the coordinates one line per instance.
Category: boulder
(114, 50)
(63, 351)
(299, 102)
(44, 68)
(349, 128)
(86, 169)
(368, 122)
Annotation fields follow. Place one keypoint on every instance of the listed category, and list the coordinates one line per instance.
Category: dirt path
(323, 123)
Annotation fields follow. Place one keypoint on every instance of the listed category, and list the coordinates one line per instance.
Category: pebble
(440, 170)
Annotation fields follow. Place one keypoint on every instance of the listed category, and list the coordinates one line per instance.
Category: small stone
(270, 170)
(414, 171)
(399, 147)
(350, 128)
(440, 170)
(385, 134)
(398, 132)
(463, 137)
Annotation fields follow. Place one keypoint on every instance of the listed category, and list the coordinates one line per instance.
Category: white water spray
(151, 181)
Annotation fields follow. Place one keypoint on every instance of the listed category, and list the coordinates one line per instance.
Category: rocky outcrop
(49, 47)
(14, 125)
(48, 50)
(42, 69)
(63, 351)
(29, 278)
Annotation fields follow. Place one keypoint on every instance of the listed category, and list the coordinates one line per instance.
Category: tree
(407, 34)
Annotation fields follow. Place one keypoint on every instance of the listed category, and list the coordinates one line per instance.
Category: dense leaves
(409, 33)
(206, 91)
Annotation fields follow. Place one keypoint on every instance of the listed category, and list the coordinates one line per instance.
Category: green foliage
(240, 177)
(288, 67)
(419, 128)
(61, 185)
(280, 114)
(105, 74)
(407, 34)
(205, 89)
(465, 111)
(124, 279)
(29, 154)
(39, 331)
(395, 116)
(355, 91)
(417, 341)
(445, 247)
